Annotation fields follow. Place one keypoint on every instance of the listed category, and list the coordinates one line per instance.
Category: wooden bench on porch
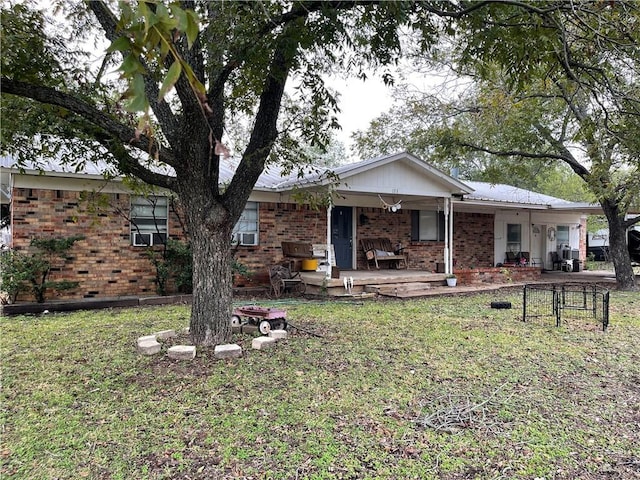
(378, 250)
(295, 252)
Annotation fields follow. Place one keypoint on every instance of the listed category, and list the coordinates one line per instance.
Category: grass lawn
(430, 388)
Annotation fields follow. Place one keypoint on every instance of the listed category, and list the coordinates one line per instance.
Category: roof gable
(401, 173)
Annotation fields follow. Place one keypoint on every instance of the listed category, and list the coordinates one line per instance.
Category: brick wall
(473, 240)
(493, 275)
(379, 223)
(472, 246)
(104, 263)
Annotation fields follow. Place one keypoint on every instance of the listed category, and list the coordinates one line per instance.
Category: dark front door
(342, 236)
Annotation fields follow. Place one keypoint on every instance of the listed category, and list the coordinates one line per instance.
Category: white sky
(360, 102)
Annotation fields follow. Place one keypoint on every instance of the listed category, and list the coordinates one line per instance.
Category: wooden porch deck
(414, 283)
(385, 282)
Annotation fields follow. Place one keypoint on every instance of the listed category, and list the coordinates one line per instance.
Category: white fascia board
(501, 205)
(390, 191)
(585, 207)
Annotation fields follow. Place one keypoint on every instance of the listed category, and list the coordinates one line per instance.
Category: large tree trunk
(618, 249)
(210, 230)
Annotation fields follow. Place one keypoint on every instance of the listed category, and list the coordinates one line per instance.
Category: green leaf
(131, 65)
(121, 44)
(138, 102)
(170, 80)
(181, 17)
(192, 27)
(195, 83)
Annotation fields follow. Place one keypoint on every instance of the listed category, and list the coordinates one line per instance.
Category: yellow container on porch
(310, 264)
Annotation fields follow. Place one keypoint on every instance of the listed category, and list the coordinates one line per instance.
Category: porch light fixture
(391, 207)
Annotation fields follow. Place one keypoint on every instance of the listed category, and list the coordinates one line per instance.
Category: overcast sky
(360, 102)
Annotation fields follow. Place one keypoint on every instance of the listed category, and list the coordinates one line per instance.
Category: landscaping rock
(182, 352)
(165, 335)
(260, 343)
(147, 338)
(230, 350)
(149, 347)
(278, 334)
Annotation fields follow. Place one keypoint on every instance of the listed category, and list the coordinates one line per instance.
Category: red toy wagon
(265, 318)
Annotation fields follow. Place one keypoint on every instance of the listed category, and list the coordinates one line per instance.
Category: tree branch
(51, 96)
(265, 130)
(128, 165)
(565, 154)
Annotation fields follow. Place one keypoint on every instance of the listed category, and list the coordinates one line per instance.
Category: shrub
(22, 272)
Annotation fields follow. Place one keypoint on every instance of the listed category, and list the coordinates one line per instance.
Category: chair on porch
(510, 259)
(378, 250)
(556, 260)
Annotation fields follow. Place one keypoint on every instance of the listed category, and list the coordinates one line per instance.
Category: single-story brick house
(440, 222)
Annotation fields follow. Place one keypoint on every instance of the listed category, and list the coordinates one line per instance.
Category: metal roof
(510, 194)
(273, 179)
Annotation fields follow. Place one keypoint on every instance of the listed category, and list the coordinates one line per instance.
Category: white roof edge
(590, 207)
(497, 203)
(349, 170)
(52, 173)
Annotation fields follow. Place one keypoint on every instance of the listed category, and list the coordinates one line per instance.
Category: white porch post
(447, 259)
(450, 235)
(329, 259)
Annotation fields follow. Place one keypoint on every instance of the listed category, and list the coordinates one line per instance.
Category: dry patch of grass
(78, 402)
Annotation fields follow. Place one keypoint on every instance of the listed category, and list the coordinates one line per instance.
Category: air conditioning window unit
(148, 239)
(159, 238)
(247, 238)
(142, 239)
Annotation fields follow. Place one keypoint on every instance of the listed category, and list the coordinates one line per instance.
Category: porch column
(450, 236)
(447, 259)
(329, 259)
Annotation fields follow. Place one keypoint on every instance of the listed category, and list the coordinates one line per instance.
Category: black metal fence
(566, 301)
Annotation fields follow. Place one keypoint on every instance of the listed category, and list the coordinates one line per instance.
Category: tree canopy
(185, 73)
(553, 85)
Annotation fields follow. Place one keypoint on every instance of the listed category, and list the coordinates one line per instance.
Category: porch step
(402, 290)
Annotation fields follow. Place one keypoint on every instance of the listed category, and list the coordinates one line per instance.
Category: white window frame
(149, 220)
(430, 226)
(247, 231)
(560, 237)
(513, 245)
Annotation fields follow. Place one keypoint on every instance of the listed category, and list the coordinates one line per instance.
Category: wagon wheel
(279, 324)
(235, 321)
(301, 287)
(264, 327)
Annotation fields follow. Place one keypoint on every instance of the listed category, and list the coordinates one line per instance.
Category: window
(562, 234)
(246, 230)
(427, 225)
(514, 237)
(149, 220)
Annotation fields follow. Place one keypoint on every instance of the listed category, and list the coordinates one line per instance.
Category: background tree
(552, 82)
(422, 122)
(187, 70)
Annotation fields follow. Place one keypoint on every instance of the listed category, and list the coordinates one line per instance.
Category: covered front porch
(414, 283)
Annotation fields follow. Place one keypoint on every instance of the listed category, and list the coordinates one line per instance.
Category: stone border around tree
(152, 345)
